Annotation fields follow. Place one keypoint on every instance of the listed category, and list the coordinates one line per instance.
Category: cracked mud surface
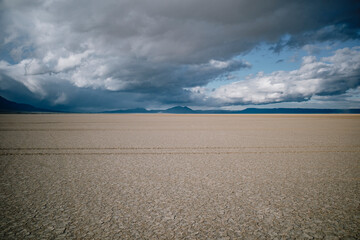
(179, 176)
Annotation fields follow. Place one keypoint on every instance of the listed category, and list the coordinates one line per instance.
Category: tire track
(170, 148)
(205, 150)
(174, 153)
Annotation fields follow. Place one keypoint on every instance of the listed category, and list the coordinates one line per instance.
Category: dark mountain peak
(4, 101)
(7, 106)
(179, 109)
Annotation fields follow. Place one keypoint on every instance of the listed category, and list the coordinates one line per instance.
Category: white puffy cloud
(328, 76)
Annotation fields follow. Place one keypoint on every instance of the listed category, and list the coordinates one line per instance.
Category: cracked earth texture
(161, 176)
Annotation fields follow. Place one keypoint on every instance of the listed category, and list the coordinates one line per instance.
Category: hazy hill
(187, 110)
(7, 106)
(134, 110)
(179, 109)
(296, 111)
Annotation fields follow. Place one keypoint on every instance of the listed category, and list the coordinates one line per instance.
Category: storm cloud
(144, 53)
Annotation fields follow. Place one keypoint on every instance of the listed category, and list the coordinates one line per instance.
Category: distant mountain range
(187, 110)
(177, 109)
(7, 106)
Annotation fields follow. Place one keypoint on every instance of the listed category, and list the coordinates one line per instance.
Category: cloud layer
(153, 52)
(330, 76)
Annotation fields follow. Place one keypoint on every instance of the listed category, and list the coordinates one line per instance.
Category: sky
(90, 55)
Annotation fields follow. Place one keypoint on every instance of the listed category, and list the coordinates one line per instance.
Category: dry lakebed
(173, 176)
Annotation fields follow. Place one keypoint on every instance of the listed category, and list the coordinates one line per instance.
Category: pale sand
(179, 176)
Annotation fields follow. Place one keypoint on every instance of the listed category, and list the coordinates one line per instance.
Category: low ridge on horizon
(7, 106)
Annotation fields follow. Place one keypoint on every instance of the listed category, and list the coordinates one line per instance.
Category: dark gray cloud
(151, 52)
(340, 32)
(62, 95)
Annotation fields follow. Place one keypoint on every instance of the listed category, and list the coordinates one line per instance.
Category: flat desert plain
(98, 176)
